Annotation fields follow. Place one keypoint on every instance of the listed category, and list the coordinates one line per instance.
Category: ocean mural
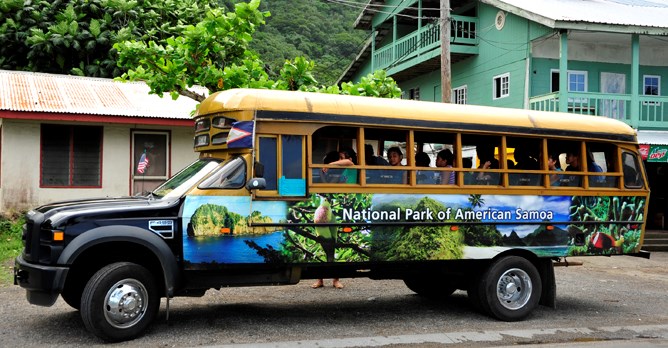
(355, 227)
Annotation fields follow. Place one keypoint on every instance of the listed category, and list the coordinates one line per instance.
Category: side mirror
(256, 184)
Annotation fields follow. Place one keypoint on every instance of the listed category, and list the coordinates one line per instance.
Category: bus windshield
(177, 185)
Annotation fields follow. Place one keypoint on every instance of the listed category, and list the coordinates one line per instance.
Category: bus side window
(337, 147)
(600, 159)
(568, 153)
(268, 156)
(525, 157)
(288, 179)
(630, 168)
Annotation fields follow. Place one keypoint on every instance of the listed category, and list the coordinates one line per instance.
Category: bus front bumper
(43, 284)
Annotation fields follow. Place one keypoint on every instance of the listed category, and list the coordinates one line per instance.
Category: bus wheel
(429, 287)
(510, 289)
(119, 301)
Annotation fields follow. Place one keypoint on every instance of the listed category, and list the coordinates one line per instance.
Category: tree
(77, 36)
(215, 54)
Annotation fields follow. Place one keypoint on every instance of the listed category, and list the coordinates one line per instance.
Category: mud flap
(548, 296)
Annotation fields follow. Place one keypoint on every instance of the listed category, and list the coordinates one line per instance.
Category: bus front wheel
(120, 301)
(509, 289)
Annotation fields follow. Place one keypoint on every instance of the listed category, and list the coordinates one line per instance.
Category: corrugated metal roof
(634, 13)
(39, 92)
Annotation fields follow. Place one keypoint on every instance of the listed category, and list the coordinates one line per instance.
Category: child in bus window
(394, 156)
(554, 165)
(445, 159)
(424, 176)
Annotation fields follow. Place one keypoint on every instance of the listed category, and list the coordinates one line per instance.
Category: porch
(652, 110)
(423, 47)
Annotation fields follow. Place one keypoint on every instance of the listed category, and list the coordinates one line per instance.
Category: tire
(509, 289)
(119, 302)
(429, 287)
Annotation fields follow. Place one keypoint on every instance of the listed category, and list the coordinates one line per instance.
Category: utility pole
(446, 83)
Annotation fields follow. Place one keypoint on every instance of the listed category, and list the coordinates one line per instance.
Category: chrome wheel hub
(125, 303)
(514, 289)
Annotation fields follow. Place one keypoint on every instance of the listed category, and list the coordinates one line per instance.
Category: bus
(295, 185)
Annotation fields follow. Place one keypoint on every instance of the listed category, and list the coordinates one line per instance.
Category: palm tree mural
(476, 201)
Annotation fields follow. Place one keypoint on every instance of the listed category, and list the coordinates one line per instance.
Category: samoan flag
(143, 163)
(241, 135)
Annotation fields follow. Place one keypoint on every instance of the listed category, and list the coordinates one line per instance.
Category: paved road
(618, 299)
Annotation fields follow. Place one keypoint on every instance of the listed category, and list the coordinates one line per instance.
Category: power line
(344, 3)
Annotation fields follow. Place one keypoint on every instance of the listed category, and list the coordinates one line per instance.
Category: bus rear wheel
(430, 287)
(509, 289)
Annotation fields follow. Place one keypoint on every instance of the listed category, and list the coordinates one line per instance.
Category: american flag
(143, 163)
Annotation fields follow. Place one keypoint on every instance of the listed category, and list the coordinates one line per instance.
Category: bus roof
(322, 107)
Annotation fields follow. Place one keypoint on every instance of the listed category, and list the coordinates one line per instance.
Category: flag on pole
(143, 163)
(241, 135)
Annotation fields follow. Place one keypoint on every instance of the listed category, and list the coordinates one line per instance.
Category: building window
(651, 86)
(414, 94)
(501, 86)
(459, 95)
(150, 155)
(71, 156)
(577, 81)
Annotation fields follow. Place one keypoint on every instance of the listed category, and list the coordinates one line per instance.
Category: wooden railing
(425, 39)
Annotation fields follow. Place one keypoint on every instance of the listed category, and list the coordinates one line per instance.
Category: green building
(603, 57)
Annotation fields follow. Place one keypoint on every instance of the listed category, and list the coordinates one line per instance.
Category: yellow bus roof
(307, 106)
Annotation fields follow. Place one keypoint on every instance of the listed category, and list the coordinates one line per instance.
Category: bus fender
(548, 296)
(132, 234)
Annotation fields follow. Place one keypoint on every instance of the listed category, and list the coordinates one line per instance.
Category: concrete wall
(20, 164)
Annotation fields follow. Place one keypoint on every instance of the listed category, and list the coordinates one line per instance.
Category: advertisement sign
(657, 153)
(644, 151)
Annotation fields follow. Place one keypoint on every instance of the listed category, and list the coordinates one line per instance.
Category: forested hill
(321, 30)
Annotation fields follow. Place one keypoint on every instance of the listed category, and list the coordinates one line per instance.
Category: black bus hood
(59, 212)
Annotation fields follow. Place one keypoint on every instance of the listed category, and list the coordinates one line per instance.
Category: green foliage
(78, 35)
(302, 244)
(11, 245)
(418, 242)
(216, 53)
(210, 218)
(318, 30)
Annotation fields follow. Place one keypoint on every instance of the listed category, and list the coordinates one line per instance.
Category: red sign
(644, 151)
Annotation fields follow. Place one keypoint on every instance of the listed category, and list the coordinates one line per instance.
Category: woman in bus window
(347, 157)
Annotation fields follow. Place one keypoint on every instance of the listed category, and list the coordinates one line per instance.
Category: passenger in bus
(394, 157)
(469, 177)
(553, 164)
(424, 177)
(485, 153)
(525, 162)
(370, 159)
(445, 159)
(573, 161)
(592, 166)
(345, 157)
(330, 174)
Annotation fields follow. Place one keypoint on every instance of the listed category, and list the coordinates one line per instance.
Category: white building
(65, 137)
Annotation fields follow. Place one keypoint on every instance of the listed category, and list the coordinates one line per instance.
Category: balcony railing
(426, 39)
(653, 110)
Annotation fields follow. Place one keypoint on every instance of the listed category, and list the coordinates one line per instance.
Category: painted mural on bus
(406, 227)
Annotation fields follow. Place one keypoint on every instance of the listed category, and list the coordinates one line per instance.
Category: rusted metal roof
(40, 92)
